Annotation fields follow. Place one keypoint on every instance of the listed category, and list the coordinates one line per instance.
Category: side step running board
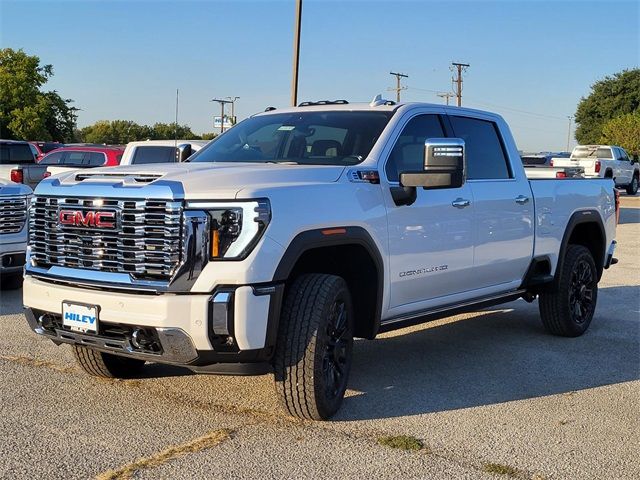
(448, 311)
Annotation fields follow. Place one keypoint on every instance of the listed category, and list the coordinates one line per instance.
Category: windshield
(305, 138)
(591, 152)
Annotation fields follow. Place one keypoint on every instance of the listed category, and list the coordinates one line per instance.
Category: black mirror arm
(403, 195)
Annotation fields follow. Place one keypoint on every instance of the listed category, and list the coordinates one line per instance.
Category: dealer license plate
(79, 317)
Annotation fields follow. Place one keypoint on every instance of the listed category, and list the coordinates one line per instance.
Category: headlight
(235, 227)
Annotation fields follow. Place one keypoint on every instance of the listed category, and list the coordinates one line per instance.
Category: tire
(315, 346)
(106, 365)
(568, 309)
(11, 281)
(632, 188)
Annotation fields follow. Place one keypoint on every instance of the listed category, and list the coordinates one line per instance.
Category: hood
(11, 188)
(195, 180)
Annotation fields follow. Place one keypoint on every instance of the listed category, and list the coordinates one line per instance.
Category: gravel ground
(488, 394)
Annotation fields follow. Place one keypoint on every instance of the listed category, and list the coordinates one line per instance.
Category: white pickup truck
(160, 151)
(300, 229)
(14, 200)
(604, 161)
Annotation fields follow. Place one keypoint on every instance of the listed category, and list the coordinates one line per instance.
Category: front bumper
(189, 330)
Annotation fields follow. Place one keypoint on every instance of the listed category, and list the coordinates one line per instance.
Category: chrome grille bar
(13, 214)
(146, 242)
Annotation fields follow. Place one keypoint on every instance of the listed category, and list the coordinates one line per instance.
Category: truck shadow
(11, 302)
(629, 215)
(496, 356)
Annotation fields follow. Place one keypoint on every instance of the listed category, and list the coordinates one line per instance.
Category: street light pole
(569, 132)
(296, 53)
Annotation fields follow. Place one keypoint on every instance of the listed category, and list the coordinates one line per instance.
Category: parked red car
(84, 156)
(40, 149)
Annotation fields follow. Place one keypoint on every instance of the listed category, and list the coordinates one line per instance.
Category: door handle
(521, 199)
(460, 203)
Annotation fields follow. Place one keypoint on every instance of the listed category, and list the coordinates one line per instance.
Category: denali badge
(87, 218)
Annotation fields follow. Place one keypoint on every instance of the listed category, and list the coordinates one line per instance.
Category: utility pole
(222, 104)
(446, 95)
(296, 53)
(398, 87)
(569, 132)
(233, 108)
(459, 68)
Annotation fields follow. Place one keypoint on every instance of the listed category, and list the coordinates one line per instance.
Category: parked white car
(14, 201)
(160, 151)
(604, 161)
(299, 229)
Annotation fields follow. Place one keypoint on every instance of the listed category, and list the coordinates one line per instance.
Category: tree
(26, 112)
(167, 131)
(120, 132)
(610, 97)
(116, 132)
(208, 136)
(623, 131)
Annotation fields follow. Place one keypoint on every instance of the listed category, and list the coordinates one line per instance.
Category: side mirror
(183, 152)
(444, 165)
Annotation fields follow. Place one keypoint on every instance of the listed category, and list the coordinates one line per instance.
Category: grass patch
(207, 441)
(402, 442)
(500, 469)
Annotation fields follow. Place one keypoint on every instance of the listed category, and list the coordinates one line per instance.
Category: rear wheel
(106, 365)
(314, 348)
(567, 310)
(632, 188)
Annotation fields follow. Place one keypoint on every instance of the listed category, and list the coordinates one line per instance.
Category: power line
(398, 87)
(458, 68)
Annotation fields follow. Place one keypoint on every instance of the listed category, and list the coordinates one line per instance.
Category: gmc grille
(13, 214)
(145, 243)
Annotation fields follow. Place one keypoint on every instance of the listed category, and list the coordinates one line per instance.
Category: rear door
(503, 205)
(430, 241)
(623, 169)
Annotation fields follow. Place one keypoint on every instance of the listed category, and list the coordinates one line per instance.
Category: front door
(430, 241)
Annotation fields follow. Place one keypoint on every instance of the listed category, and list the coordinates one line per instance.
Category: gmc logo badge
(87, 218)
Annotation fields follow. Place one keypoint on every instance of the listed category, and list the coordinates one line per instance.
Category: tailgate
(33, 174)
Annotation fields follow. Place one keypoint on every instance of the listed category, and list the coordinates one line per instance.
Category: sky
(530, 61)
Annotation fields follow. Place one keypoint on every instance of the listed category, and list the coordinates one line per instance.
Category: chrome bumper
(177, 347)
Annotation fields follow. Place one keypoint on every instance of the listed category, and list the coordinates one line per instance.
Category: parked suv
(67, 158)
(299, 229)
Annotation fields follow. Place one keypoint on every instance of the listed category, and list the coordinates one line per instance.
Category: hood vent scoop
(127, 178)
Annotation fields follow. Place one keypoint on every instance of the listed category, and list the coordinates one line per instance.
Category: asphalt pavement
(482, 395)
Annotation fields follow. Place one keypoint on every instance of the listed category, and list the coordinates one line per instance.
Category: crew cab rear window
(153, 154)
(408, 152)
(16, 153)
(485, 155)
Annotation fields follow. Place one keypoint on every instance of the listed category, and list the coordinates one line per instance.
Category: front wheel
(568, 309)
(632, 188)
(315, 344)
(106, 365)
